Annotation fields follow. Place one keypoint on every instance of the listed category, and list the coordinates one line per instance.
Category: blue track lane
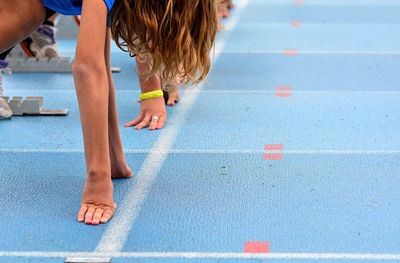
(335, 190)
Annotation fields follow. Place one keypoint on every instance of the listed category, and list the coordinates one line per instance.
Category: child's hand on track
(153, 112)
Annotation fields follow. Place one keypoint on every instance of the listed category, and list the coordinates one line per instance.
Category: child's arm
(92, 88)
(149, 108)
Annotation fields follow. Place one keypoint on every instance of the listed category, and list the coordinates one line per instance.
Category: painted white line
(206, 255)
(310, 52)
(39, 150)
(341, 152)
(118, 229)
(172, 151)
(316, 91)
(219, 50)
(323, 3)
(233, 91)
(318, 25)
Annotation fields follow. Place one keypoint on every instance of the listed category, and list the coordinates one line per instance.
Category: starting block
(18, 61)
(33, 106)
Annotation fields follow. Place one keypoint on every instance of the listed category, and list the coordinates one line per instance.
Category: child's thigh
(19, 18)
(25, 15)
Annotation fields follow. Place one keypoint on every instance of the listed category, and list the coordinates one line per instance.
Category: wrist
(151, 95)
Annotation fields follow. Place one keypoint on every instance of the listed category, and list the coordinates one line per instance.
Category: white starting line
(172, 151)
(205, 255)
(310, 52)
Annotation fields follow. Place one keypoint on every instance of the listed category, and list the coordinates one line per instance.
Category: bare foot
(97, 200)
(223, 10)
(231, 5)
(220, 25)
(119, 167)
(173, 96)
(120, 171)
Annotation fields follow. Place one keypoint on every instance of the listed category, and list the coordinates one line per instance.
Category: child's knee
(27, 15)
(37, 14)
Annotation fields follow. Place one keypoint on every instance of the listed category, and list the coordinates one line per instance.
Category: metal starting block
(32, 106)
(59, 65)
(18, 61)
(44, 65)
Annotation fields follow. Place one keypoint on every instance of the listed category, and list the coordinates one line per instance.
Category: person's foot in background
(42, 43)
(5, 110)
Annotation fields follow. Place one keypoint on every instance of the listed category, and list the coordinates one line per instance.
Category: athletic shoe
(5, 110)
(41, 43)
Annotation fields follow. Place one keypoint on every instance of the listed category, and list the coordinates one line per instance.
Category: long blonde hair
(179, 34)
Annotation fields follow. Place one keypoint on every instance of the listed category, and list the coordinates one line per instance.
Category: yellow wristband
(151, 95)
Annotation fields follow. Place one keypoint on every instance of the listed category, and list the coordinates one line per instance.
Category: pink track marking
(284, 88)
(257, 247)
(296, 24)
(279, 94)
(290, 52)
(274, 147)
(299, 2)
(273, 156)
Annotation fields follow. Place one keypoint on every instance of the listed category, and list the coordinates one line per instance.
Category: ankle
(98, 173)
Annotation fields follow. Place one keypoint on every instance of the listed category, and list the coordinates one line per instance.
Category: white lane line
(118, 229)
(207, 255)
(234, 91)
(172, 151)
(310, 52)
(219, 51)
(318, 25)
(315, 91)
(341, 152)
(324, 3)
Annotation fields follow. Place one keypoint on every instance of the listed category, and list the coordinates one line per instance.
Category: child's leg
(173, 91)
(119, 167)
(231, 5)
(19, 19)
(223, 10)
(42, 42)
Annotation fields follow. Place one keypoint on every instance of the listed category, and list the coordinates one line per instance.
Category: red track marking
(274, 147)
(299, 2)
(273, 156)
(281, 88)
(283, 94)
(290, 52)
(296, 24)
(283, 91)
(257, 247)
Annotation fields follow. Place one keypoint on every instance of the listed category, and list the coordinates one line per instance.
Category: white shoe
(44, 43)
(5, 110)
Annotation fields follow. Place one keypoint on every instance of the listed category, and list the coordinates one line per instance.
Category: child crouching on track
(172, 32)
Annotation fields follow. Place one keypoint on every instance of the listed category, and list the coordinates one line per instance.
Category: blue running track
(289, 152)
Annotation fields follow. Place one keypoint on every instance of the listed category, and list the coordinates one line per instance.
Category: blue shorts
(70, 7)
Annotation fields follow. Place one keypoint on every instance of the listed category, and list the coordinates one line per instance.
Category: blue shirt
(71, 7)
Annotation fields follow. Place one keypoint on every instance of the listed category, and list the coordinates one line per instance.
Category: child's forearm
(147, 83)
